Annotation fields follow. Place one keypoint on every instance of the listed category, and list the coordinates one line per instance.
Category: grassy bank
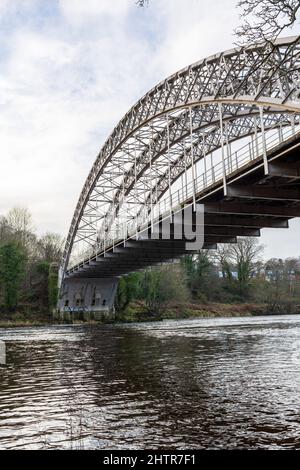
(25, 317)
(137, 312)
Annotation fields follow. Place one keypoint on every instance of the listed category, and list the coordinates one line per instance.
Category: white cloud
(3, 5)
(195, 30)
(9, 6)
(79, 11)
(60, 99)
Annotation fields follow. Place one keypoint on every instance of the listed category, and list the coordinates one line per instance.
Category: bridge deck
(253, 200)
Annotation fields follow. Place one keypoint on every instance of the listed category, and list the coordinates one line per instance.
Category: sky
(69, 71)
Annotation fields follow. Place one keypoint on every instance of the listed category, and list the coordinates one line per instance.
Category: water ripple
(209, 383)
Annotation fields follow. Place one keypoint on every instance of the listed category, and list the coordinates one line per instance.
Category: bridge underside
(254, 198)
(217, 133)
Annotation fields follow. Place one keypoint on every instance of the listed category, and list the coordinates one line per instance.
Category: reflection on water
(207, 383)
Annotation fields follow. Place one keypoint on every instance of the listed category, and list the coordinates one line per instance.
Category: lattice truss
(171, 138)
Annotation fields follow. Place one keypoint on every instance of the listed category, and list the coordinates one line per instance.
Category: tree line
(234, 273)
(28, 263)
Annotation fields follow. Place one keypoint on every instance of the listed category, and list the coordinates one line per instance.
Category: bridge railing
(253, 150)
(236, 160)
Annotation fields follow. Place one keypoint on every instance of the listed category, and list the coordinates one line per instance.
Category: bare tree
(223, 258)
(50, 247)
(243, 255)
(5, 230)
(241, 258)
(19, 220)
(265, 20)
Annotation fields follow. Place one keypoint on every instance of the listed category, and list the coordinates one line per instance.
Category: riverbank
(137, 312)
(25, 317)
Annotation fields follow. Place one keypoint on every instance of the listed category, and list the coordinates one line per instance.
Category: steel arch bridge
(182, 142)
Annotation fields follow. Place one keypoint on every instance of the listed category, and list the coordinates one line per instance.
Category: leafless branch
(142, 3)
(265, 20)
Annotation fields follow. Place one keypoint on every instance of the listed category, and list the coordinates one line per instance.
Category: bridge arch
(205, 107)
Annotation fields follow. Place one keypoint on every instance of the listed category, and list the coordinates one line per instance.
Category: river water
(205, 383)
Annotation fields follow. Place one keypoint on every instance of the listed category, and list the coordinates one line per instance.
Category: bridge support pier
(87, 297)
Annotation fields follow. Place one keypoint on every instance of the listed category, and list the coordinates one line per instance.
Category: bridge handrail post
(293, 124)
(262, 127)
(252, 144)
(104, 235)
(250, 150)
(222, 147)
(169, 163)
(124, 231)
(204, 158)
(150, 175)
(185, 171)
(256, 136)
(228, 149)
(280, 132)
(192, 157)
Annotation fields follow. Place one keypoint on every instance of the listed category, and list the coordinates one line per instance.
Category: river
(229, 383)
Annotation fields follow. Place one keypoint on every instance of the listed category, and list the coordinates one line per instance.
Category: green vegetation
(12, 269)
(28, 269)
(53, 285)
(147, 295)
(230, 281)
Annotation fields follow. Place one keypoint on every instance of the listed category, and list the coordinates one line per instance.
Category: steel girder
(177, 124)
